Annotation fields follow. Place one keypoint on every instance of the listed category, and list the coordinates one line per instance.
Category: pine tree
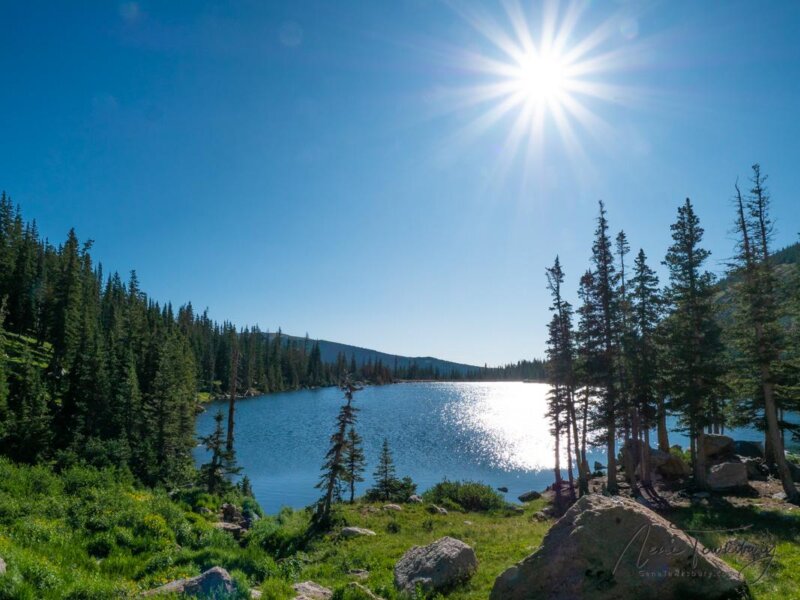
(758, 334)
(694, 354)
(645, 308)
(385, 476)
(334, 470)
(602, 366)
(215, 473)
(354, 461)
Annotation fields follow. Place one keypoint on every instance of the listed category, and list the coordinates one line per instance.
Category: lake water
(491, 432)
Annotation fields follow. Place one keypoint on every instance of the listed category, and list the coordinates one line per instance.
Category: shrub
(468, 495)
(399, 491)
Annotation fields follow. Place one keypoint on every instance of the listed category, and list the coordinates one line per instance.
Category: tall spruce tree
(759, 336)
(334, 470)
(385, 474)
(602, 295)
(694, 353)
(215, 474)
(354, 461)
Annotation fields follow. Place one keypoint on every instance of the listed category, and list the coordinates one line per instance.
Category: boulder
(395, 507)
(414, 499)
(362, 591)
(503, 489)
(205, 511)
(233, 528)
(795, 471)
(658, 458)
(231, 513)
(437, 566)
(717, 447)
(756, 469)
(437, 510)
(529, 496)
(748, 449)
(214, 583)
(727, 476)
(673, 467)
(607, 548)
(308, 590)
(351, 532)
(2, 567)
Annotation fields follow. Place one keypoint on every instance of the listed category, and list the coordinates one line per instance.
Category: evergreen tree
(215, 474)
(758, 335)
(694, 355)
(334, 470)
(354, 461)
(385, 477)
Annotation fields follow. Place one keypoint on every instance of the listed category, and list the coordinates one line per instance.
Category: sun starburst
(541, 72)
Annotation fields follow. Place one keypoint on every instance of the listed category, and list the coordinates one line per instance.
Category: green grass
(86, 534)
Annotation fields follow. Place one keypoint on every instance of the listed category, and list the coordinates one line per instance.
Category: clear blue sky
(316, 165)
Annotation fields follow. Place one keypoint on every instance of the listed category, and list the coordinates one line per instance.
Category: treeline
(93, 370)
(640, 352)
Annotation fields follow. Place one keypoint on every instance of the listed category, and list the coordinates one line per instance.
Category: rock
(503, 489)
(727, 476)
(795, 471)
(529, 496)
(205, 511)
(437, 510)
(231, 513)
(748, 449)
(673, 468)
(468, 523)
(414, 499)
(658, 458)
(236, 530)
(359, 573)
(255, 594)
(308, 590)
(717, 447)
(756, 469)
(437, 566)
(214, 583)
(592, 552)
(598, 466)
(779, 496)
(351, 532)
(2, 567)
(540, 516)
(394, 507)
(363, 591)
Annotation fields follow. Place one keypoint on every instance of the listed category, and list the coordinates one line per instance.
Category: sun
(541, 78)
(541, 73)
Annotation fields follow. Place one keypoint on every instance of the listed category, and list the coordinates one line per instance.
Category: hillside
(331, 350)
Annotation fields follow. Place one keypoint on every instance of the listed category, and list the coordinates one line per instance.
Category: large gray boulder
(2, 567)
(214, 583)
(727, 476)
(673, 467)
(607, 549)
(437, 566)
(717, 447)
(756, 469)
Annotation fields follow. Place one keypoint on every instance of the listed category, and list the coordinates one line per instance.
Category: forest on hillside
(93, 370)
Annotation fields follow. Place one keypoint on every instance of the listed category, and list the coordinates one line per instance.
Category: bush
(399, 491)
(467, 495)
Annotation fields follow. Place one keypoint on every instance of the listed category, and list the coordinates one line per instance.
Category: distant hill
(330, 351)
(787, 264)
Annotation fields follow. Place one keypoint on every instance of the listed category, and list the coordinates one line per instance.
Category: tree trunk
(774, 434)
(232, 403)
(700, 460)
(663, 434)
(646, 457)
(580, 453)
(611, 477)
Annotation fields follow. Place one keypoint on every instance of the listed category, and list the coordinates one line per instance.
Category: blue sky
(317, 166)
